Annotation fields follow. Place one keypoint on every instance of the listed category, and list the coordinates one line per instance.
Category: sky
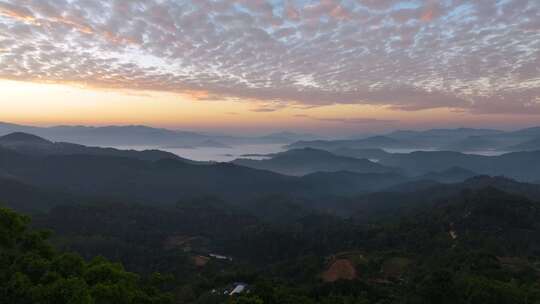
(249, 66)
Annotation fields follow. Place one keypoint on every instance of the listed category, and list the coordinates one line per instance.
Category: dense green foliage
(31, 271)
(473, 246)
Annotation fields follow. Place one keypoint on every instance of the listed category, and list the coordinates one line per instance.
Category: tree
(33, 272)
(246, 300)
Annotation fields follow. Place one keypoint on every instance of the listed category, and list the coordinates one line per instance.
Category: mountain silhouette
(309, 160)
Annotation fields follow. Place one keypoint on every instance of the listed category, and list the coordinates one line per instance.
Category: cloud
(291, 12)
(479, 56)
(361, 121)
(16, 12)
(378, 4)
(264, 110)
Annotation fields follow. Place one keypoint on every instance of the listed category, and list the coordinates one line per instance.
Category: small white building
(238, 289)
(220, 257)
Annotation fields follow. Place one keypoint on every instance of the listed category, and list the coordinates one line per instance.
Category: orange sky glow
(48, 104)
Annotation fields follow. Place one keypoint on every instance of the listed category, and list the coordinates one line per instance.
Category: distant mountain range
(444, 166)
(462, 140)
(32, 168)
(309, 160)
(160, 177)
(531, 145)
(33, 145)
(524, 166)
(440, 137)
(147, 136)
(384, 142)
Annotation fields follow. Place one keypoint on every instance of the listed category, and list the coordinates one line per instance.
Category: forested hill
(479, 244)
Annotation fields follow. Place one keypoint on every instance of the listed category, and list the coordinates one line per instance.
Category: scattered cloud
(264, 110)
(360, 121)
(479, 56)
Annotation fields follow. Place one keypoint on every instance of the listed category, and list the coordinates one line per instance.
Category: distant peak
(486, 179)
(7, 124)
(457, 169)
(21, 137)
(307, 150)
